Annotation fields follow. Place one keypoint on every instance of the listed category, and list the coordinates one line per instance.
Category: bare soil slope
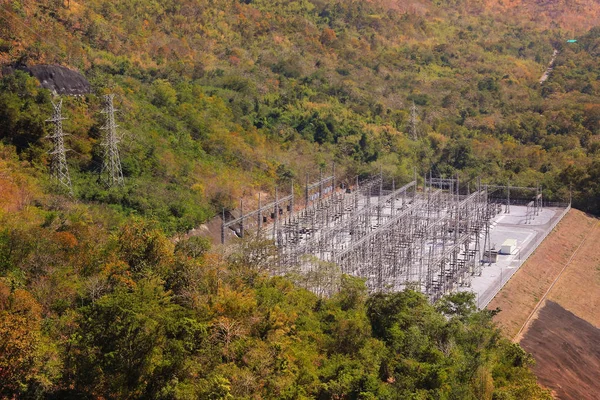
(555, 297)
(567, 351)
(578, 289)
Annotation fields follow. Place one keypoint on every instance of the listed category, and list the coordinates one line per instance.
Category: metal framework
(414, 134)
(432, 238)
(59, 169)
(268, 218)
(501, 197)
(111, 165)
(428, 240)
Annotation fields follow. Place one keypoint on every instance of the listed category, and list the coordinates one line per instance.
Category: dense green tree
(23, 109)
(133, 343)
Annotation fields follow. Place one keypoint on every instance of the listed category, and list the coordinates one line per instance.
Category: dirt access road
(550, 67)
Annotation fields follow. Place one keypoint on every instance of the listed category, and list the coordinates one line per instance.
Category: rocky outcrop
(56, 78)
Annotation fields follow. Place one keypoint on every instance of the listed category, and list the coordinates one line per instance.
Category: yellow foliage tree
(20, 317)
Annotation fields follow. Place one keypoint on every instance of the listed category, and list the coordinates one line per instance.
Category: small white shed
(509, 246)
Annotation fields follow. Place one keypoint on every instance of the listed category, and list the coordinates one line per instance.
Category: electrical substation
(434, 235)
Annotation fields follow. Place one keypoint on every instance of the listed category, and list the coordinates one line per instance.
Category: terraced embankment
(552, 307)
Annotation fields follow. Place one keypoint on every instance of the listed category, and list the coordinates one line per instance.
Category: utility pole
(111, 164)
(58, 162)
(413, 122)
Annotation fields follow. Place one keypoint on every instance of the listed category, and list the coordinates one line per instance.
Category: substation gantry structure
(430, 237)
(531, 197)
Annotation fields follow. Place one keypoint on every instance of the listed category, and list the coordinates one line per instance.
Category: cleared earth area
(567, 351)
(552, 307)
(577, 290)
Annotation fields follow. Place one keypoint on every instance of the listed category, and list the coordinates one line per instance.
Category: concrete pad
(528, 230)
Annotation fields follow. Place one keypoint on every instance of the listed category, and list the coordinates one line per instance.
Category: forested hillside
(94, 306)
(100, 297)
(223, 99)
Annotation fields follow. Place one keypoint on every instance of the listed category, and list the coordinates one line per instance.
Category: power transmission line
(111, 164)
(413, 122)
(58, 162)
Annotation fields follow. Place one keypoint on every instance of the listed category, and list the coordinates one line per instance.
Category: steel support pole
(241, 218)
(223, 228)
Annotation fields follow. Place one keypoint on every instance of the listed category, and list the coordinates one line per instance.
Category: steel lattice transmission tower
(58, 162)
(111, 165)
(413, 122)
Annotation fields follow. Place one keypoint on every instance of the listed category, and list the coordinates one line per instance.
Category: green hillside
(224, 99)
(220, 100)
